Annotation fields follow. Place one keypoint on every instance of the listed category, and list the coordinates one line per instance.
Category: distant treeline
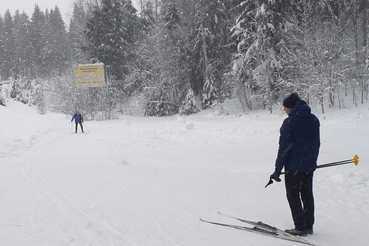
(178, 56)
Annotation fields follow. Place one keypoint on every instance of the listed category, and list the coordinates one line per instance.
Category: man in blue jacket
(299, 145)
(78, 118)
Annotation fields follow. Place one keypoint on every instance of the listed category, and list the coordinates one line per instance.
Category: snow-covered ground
(147, 181)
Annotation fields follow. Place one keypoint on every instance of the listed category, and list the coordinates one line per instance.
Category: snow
(147, 181)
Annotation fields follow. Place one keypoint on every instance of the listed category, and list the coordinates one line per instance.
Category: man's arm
(285, 145)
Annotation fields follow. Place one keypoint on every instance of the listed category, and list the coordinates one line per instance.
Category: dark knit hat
(291, 100)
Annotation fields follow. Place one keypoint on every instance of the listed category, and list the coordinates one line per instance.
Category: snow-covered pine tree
(2, 98)
(148, 16)
(170, 15)
(1, 46)
(7, 40)
(111, 32)
(211, 48)
(37, 41)
(326, 58)
(189, 105)
(55, 52)
(77, 35)
(168, 73)
(111, 35)
(24, 90)
(22, 44)
(266, 33)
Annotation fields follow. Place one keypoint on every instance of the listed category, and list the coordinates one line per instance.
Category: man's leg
(80, 123)
(307, 198)
(293, 183)
(76, 127)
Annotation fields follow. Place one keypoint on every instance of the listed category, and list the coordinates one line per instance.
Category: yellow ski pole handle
(356, 160)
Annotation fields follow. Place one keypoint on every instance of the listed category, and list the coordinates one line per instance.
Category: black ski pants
(299, 190)
(80, 123)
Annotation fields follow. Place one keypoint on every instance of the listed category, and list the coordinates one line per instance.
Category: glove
(275, 176)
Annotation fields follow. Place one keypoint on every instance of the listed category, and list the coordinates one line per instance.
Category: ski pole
(85, 128)
(355, 160)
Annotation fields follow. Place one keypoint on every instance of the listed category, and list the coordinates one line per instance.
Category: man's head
(291, 100)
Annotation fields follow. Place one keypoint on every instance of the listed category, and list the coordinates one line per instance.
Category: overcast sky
(28, 6)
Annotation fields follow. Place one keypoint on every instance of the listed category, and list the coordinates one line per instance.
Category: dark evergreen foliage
(176, 52)
(7, 40)
(22, 44)
(37, 41)
(56, 51)
(189, 105)
(77, 37)
(111, 35)
(211, 48)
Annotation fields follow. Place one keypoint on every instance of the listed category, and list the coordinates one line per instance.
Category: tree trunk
(321, 100)
(331, 93)
(339, 97)
(354, 99)
(364, 6)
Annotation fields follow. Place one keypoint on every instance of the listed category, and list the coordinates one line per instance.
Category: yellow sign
(90, 75)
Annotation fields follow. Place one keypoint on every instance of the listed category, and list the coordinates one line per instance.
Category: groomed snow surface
(147, 181)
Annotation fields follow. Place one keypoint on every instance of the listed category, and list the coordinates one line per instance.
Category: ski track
(149, 217)
(96, 225)
(142, 208)
(93, 229)
(96, 228)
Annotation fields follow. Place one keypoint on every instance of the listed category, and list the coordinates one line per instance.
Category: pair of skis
(261, 228)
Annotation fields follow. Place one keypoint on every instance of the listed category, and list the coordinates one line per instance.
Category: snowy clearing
(147, 181)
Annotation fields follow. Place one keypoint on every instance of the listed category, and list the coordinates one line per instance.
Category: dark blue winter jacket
(299, 140)
(77, 118)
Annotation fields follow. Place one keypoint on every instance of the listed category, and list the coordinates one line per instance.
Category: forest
(182, 56)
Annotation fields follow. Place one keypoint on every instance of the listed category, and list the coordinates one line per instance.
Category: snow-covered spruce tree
(111, 35)
(148, 16)
(166, 82)
(77, 35)
(61, 95)
(2, 98)
(38, 97)
(1, 46)
(7, 42)
(359, 19)
(55, 52)
(267, 36)
(211, 48)
(189, 105)
(22, 44)
(28, 91)
(326, 59)
(37, 41)
(141, 70)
